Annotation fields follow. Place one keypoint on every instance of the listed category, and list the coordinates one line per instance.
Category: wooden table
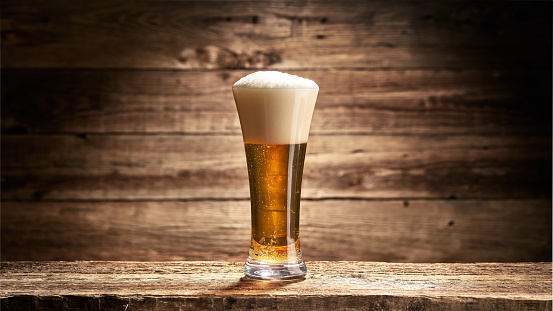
(102, 285)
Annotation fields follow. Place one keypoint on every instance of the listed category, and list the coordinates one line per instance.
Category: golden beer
(275, 112)
(275, 173)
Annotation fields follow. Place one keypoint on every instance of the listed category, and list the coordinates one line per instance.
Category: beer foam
(274, 108)
(274, 80)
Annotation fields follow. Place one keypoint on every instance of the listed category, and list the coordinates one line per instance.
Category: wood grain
(144, 167)
(275, 34)
(119, 113)
(360, 230)
(350, 102)
(220, 285)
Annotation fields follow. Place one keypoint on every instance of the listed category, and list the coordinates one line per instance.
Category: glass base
(265, 271)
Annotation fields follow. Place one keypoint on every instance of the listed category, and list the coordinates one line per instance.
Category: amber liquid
(275, 173)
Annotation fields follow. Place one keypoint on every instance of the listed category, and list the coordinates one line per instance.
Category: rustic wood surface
(275, 34)
(69, 167)
(419, 230)
(431, 139)
(220, 285)
(483, 101)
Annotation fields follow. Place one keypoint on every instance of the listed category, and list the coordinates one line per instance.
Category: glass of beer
(275, 111)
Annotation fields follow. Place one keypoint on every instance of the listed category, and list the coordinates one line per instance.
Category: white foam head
(275, 107)
(274, 80)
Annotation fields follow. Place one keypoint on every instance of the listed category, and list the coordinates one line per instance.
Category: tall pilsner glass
(275, 111)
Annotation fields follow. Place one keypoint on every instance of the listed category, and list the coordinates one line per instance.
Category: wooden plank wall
(431, 139)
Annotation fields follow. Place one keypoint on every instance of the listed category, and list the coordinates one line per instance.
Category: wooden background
(430, 142)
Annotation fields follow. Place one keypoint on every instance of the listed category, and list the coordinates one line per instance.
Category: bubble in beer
(274, 79)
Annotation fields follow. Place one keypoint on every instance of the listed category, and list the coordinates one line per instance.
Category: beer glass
(275, 111)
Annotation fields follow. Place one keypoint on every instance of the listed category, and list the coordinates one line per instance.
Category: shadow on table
(245, 284)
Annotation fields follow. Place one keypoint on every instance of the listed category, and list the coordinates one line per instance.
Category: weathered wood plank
(329, 285)
(69, 167)
(395, 230)
(275, 34)
(389, 101)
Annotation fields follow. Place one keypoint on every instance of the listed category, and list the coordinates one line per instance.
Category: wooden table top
(188, 285)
